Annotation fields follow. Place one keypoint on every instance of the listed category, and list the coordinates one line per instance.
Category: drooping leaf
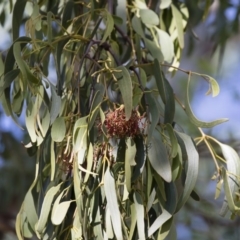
(59, 210)
(109, 26)
(177, 18)
(166, 93)
(17, 15)
(125, 85)
(213, 85)
(58, 129)
(149, 17)
(192, 167)
(193, 118)
(45, 208)
(158, 157)
(166, 45)
(111, 197)
(165, 216)
(138, 202)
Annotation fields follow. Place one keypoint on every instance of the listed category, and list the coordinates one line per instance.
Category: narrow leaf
(125, 84)
(193, 118)
(111, 197)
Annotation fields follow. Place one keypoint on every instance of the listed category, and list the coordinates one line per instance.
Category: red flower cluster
(117, 126)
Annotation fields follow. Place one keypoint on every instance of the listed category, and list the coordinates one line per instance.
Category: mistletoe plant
(92, 78)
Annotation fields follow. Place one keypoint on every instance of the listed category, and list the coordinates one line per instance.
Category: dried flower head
(117, 126)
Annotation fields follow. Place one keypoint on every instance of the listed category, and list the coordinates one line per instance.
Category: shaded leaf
(192, 167)
(158, 157)
(125, 85)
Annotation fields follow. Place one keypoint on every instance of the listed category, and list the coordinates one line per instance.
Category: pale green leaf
(140, 215)
(58, 129)
(46, 207)
(166, 45)
(158, 157)
(59, 210)
(111, 197)
(165, 215)
(213, 85)
(177, 18)
(149, 17)
(29, 209)
(27, 75)
(165, 4)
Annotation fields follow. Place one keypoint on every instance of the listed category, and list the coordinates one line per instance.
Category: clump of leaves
(102, 171)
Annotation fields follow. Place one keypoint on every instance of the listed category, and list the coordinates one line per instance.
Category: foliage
(111, 160)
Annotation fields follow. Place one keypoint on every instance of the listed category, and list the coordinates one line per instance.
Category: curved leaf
(193, 118)
(58, 130)
(192, 167)
(111, 196)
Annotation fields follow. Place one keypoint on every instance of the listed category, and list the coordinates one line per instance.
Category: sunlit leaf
(149, 17)
(58, 129)
(177, 17)
(166, 45)
(140, 215)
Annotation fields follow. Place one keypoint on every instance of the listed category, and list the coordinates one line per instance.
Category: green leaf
(59, 210)
(158, 157)
(58, 130)
(111, 197)
(166, 45)
(125, 84)
(154, 50)
(46, 207)
(133, 221)
(27, 75)
(29, 209)
(49, 27)
(165, 4)
(213, 85)
(140, 215)
(178, 20)
(192, 167)
(231, 181)
(137, 26)
(173, 140)
(89, 162)
(53, 160)
(67, 14)
(164, 217)
(55, 105)
(149, 17)
(166, 92)
(155, 115)
(140, 158)
(17, 15)
(109, 26)
(193, 118)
